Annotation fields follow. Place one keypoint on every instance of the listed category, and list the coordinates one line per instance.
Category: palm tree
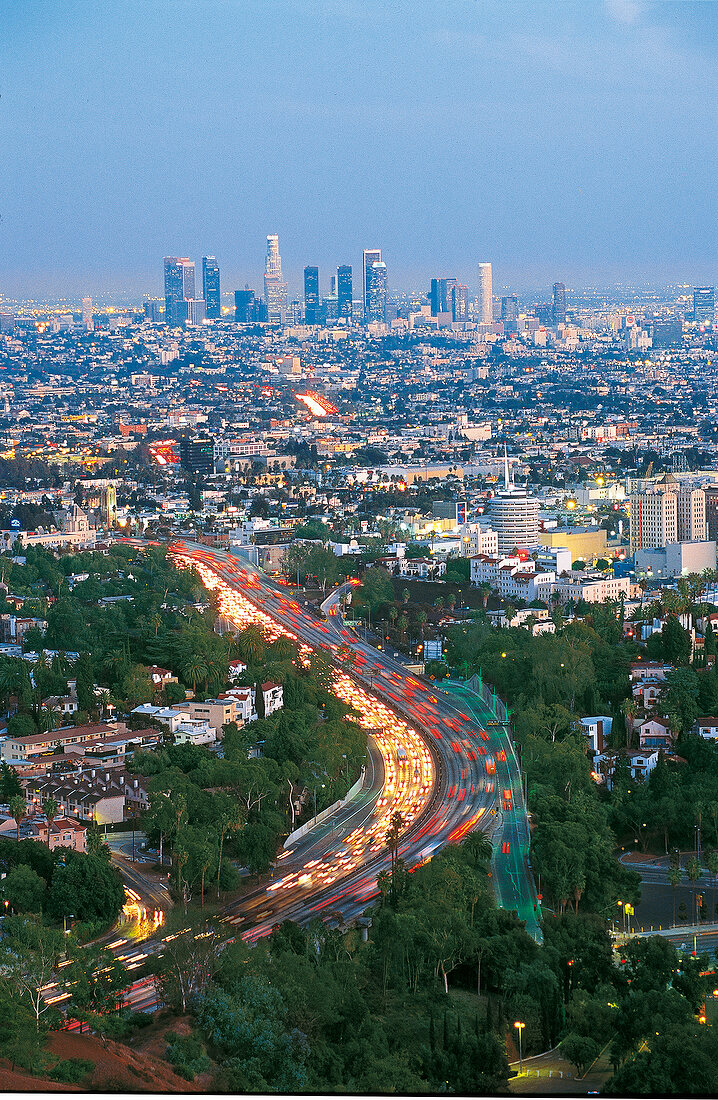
(674, 877)
(451, 601)
(393, 615)
(485, 590)
(406, 595)
(50, 808)
(251, 644)
(478, 847)
(195, 670)
(694, 872)
(439, 603)
(402, 625)
(629, 710)
(421, 618)
(18, 810)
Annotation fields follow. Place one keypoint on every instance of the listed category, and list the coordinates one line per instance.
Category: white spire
(507, 483)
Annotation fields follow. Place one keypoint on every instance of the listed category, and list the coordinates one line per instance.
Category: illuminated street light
(520, 1027)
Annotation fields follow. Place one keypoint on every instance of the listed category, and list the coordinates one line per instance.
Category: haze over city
(570, 140)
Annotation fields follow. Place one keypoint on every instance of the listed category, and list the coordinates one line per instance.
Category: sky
(561, 140)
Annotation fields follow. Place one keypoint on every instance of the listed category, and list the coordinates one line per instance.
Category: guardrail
(322, 817)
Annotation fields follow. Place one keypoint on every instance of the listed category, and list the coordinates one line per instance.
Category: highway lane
(437, 762)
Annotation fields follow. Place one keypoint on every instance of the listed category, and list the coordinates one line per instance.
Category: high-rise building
(210, 286)
(179, 287)
(247, 307)
(275, 291)
(486, 299)
(509, 308)
(441, 295)
(196, 310)
(667, 513)
(559, 304)
(197, 455)
(311, 295)
(514, 516)
(376, 282)
(87, 312)
(704, 304)
(369, 256)
(459, 302)
(344, 290)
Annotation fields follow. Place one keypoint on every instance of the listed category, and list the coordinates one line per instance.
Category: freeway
(439, 762)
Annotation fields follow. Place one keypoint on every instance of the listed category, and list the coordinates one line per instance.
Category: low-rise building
(273, 697)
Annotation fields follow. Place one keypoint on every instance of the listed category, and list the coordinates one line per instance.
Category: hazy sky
(560, 140)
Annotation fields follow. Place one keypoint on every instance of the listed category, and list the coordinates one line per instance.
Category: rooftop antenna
(506, 469)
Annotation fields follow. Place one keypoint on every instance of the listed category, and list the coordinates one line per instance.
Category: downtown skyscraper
(179, 288)
(486, 298)
(558, 310)
(210, 286)
(311, 296)
(344, 291)
(275, 291)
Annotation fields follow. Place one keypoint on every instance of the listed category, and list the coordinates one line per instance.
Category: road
(440, 766)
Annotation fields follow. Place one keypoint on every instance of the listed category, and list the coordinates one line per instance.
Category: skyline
(537, 137)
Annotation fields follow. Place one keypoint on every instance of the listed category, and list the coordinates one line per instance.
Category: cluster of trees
(548, 680)
(428, 1004)
(61, 883)
(207, 811)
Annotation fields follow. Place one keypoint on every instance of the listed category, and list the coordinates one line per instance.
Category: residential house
(273, 697)
(655, 733)
(597, 729)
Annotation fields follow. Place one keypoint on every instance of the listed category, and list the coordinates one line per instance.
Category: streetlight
(519, 1027)
(315, 803)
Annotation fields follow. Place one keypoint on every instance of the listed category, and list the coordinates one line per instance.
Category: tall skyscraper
(509, 308)
(486, 300)
(704, 304)
(247, 307)
(441, 295)
(369, 256)
(344, 290)
(375, 306)
(87, 312)
(559, 304)
(275, 291)
(179, 287)
(210, 286)
(459, 302)
(311, 295)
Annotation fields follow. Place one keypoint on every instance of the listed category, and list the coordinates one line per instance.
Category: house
(66, 705)
(647, 692)
(213, 712)
(244, 703)
(421, 569)
(655, 733)
(160, 677)
(640, 763)
(653, 670)
(273, 697)
(61, 832)
(98, 796)
(597, 728)
(707, 727)
(236, 668)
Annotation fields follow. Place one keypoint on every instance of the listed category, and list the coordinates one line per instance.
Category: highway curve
(439, 763)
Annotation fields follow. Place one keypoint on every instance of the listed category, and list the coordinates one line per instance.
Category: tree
(376, 588)
(675, 642)
(189, 964)
(251, 645)
(24, 889)
(96, 980)
(674, 877)
(18, 810)
(88, 887)
(9, 782)
(194, 669)
(29, 961)
(580, 1051)
(50, 808)
(694, 872)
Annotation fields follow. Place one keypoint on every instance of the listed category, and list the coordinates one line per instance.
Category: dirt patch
(119, 1066)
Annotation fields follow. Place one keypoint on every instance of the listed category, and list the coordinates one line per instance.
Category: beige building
(667, 513)
(584, 543)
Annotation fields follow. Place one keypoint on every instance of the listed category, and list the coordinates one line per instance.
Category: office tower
(179, 287)
(332, 286)
(375, 305)
(329, 309)
(514, 516)
(246, 307)
(459, 302)
(275, 291)
(311, 295)
(197, 455)
(155, 310)
(704, 304)
(510, 308)
(559, 304)
(440, 296)
(667, 332)
(369, 256)
(486, 311)
(196, 310)
(711, 495)
(344, 291)
(210, 286)
(667, 513)
(87, 311)
(543, 312)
